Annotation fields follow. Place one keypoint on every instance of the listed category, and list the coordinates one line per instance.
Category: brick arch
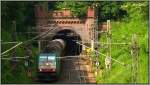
(58, 29)
(70, 37)
(66, 28)
(81, 26)
(72, 29)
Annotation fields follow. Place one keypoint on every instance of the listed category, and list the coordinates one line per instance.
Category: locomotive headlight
(40, 69)
(47, 64)
(54, 69)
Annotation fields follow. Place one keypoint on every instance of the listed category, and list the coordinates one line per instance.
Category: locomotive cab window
(46, 60)
(42, 60)
(52, 60)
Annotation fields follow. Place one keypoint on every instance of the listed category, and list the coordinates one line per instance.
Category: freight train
(49, 60)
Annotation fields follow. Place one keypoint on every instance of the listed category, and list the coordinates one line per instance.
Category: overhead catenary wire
(8, 54)
(102, 54)
(12, 48)
(113, 43)
(38, 36)
(13, 58)
(41, 35)
(8, 42)
(33, 39)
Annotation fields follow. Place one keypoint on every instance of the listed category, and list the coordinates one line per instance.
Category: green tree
(21, 12)
(111, 10)
(106, 9)
(78, 9)
(136, 10)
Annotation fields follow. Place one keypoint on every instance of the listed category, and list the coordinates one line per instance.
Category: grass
(122, 32)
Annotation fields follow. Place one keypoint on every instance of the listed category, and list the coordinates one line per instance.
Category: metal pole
(39, 46)
(14, 60)
(135, 59)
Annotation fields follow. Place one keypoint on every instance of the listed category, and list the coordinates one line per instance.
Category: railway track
(76, 70)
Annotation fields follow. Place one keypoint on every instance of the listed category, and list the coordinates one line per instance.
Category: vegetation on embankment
(20, 76)
(23, 14)
(122, 31)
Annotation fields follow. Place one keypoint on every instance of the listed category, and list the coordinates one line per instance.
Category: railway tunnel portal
(65, 26)
(69, 36)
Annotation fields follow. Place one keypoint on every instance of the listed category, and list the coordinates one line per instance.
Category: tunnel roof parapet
(63, 18)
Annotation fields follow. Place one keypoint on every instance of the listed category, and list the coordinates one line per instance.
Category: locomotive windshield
(47, 60)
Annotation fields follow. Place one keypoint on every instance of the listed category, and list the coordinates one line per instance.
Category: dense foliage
(122, 31)
(78, 9)
(21, 12)
(111, 10)
(106, 10)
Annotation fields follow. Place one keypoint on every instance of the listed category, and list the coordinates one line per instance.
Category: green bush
(122, 31)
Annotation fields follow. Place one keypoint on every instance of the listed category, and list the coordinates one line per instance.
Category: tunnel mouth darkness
(69, 36)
